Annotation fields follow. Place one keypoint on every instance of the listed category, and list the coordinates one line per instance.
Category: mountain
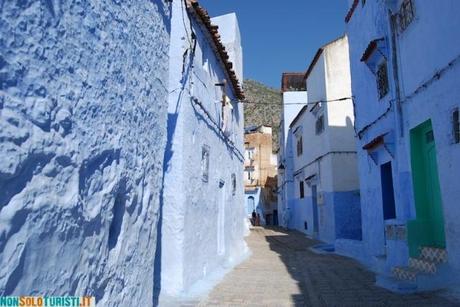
(263, 107)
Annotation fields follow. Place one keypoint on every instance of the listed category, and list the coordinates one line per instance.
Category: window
(227, 117)
(233, 184)
(249, 173)
(382, 79)
(301, 189)
(406, 14)
(250, 154)
(363, 2)
(320, 124)
(299, 145)
(456, 126)
(205, 163)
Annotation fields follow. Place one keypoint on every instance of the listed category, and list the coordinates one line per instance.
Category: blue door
(388, 194)
(314, 194)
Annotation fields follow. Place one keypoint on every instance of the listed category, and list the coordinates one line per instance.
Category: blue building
(83, 111)
(293, 90)
(405, 65)
(203, 214)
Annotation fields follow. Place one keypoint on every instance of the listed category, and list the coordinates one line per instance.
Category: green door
(428, 227)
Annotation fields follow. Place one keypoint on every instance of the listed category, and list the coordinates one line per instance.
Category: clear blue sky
(281, 35)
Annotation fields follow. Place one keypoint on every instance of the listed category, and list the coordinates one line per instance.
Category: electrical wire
(193, 45)
(436, 76)
(368, 126)
(322, 157)
(217, 126)
(295, 103)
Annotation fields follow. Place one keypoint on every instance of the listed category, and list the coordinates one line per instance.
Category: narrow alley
(283, 271)
(229, 153)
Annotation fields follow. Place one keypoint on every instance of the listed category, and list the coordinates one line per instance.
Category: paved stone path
(282, 271)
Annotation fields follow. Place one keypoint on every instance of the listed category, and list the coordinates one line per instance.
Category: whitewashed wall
(203, 222)
(231, 38)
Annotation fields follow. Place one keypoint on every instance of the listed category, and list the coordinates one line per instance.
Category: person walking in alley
(253, 219)
(258, 220)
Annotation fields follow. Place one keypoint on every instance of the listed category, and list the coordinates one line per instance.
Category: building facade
(260, 182)
(325, 173)
(79, 199)
(293, 95)
(407, 102)
(203, 214)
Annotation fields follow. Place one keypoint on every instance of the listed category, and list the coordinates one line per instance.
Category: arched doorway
(251, 204)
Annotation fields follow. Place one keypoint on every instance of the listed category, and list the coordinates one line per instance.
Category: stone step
(423, 265)
(433, 254)
(405, 273)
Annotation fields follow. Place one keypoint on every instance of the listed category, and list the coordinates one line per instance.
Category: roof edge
(202, 16)
(318, 54)
(298, 116)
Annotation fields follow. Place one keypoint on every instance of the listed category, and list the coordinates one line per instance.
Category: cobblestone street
(282, 271)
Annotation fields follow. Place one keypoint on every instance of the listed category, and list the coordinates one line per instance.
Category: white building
(325, 174)
(294, 94)
(203, 214)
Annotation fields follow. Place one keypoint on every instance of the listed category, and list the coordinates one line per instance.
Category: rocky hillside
(258, 114)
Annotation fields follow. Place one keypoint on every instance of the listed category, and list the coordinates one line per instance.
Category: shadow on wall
(172, 123)
(216, 130)
(165, 11)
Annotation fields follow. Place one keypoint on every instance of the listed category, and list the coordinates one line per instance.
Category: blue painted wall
(339, 217)
(347, 215)
(203, 219)
(434, 25)
(83, 108)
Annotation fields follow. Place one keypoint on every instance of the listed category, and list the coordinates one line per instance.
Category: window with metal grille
(301, 189)
(382, 79)
(299, 145)
(319, 124)
(406, 14)
(456, 126)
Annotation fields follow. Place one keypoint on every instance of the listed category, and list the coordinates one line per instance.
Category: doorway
(428, 227)
(251, 204)
(388, 194)
(314, 199)
(221, 221)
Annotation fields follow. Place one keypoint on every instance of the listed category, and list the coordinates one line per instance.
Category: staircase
(427, 263)
(427, 272)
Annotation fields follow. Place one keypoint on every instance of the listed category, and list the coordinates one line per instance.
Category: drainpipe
(394, 58)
